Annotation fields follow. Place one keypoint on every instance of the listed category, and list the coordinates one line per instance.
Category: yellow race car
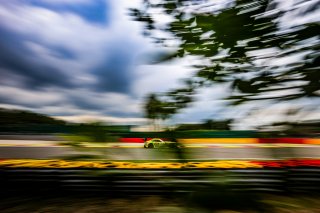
(159, 143)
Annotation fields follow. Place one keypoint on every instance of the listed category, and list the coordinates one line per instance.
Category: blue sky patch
(95, 11)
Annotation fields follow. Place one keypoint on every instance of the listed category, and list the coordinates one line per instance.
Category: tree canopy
(266, 50)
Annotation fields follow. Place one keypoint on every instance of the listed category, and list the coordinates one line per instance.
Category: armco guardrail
(289, 180)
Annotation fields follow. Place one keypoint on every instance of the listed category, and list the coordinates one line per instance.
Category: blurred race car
(159, 143)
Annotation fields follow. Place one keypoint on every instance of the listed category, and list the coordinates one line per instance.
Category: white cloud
(67, 1)
(209, 104)
(101, 118)
(62, 104)
(23, 97)
(261, 113)
(159, 78)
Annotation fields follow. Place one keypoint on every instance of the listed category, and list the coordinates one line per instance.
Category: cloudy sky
(83, 60)
(79, 60)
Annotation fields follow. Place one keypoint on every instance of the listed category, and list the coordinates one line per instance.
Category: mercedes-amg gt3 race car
(159, 143)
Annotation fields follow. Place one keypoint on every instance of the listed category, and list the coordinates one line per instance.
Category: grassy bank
(154, 204)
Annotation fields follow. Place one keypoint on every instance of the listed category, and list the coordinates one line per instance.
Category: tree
(246, 42)
(206, 125)
(165, 106)
(155, 109)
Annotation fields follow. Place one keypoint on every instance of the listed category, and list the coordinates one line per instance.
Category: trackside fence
(157, 181)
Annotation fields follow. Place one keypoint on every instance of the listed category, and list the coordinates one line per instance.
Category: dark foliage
(244, 43)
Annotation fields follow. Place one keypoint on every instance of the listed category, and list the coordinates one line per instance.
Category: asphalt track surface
(50, 150)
